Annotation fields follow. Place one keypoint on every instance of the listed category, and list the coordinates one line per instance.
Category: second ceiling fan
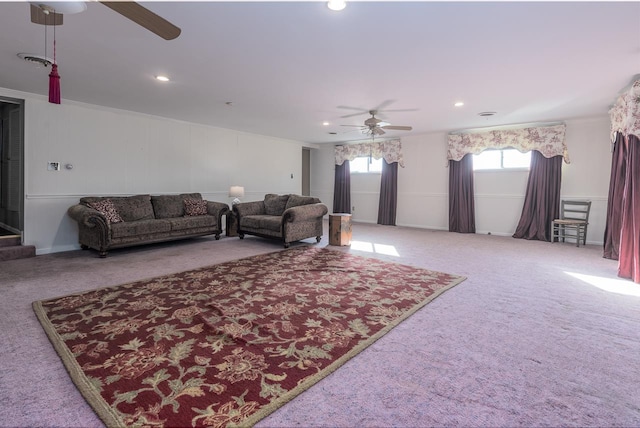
(374, 126)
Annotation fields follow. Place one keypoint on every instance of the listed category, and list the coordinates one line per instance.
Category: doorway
(306, 172)
(11, 166)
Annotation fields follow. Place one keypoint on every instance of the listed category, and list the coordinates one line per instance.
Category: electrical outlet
(353, 209)
(53, 166)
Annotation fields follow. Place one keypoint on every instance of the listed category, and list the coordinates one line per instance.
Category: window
(501, 159)
(365, 164)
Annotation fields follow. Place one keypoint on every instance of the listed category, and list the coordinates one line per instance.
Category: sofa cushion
(275, 204)
(297, 200)
(193, 207)
(192, 222)
(167, 206)
(134, 208)
(140, 227)
(107, 209)
(170, 206)
(130, 208)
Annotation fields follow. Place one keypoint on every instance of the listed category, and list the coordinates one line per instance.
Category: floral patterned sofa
(287, 218)
(111, 222)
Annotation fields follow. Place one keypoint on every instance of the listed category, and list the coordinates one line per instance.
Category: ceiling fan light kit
(62, 7)
(51, 13)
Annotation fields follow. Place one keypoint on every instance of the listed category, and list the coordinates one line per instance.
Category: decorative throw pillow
(274, 204)
(107, 209)
(195, 207)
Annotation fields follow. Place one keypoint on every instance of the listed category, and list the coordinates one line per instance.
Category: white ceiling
(288, 66)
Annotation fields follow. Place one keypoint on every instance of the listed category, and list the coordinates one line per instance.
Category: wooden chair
(573, 222)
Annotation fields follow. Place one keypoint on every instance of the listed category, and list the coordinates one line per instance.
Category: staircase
(11, 248)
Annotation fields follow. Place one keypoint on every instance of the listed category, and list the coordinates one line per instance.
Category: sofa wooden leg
(84, 247)
(241, 235)
(217, 236)
(318, 238)
(103, 254)
(286, 245)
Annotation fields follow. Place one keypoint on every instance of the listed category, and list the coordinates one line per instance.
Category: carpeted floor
(539, 334)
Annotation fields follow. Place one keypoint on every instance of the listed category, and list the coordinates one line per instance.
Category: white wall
(115, 152)
(499, 196)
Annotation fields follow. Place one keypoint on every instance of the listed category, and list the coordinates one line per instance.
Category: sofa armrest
(304, 212)
(249, 208)
(217, 209)
(88, 217)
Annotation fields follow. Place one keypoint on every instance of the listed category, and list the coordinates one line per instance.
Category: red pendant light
(54, 77)
(54, 85)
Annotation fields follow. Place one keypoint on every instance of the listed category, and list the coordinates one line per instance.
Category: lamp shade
(236, 192)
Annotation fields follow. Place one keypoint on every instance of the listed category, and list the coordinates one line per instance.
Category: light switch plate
(53, 166)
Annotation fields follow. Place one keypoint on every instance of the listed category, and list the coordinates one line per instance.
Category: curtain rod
(505, 127)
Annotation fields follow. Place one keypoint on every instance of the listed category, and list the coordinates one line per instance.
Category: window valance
(548, 140)
(390, 150)
(625, 114)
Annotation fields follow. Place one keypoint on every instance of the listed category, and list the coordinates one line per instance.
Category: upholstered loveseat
(111, 222)
(287, 218)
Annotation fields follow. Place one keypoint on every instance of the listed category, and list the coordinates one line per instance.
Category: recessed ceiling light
(487, 113)
(325, 123)
(458, 104)
(162, 78)
(336, 4)
(333, 133)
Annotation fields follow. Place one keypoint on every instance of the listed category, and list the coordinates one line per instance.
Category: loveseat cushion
(256, 222)
(297, 200)
(275, 204)
(138, 228)
(271, 223)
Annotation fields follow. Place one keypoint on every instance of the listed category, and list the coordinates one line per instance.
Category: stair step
(17, 252)
(10, 240)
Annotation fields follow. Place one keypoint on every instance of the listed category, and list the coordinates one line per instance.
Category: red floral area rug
(229, 344)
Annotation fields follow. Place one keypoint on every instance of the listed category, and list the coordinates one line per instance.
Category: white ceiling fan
(51, 13)
(374, 126)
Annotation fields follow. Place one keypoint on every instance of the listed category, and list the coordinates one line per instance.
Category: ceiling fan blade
(357, 126)
(383, 105)
(39, 17)
(399, 109)
(352, 108)
(354, 114)
(144, 17)
(397, 128)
